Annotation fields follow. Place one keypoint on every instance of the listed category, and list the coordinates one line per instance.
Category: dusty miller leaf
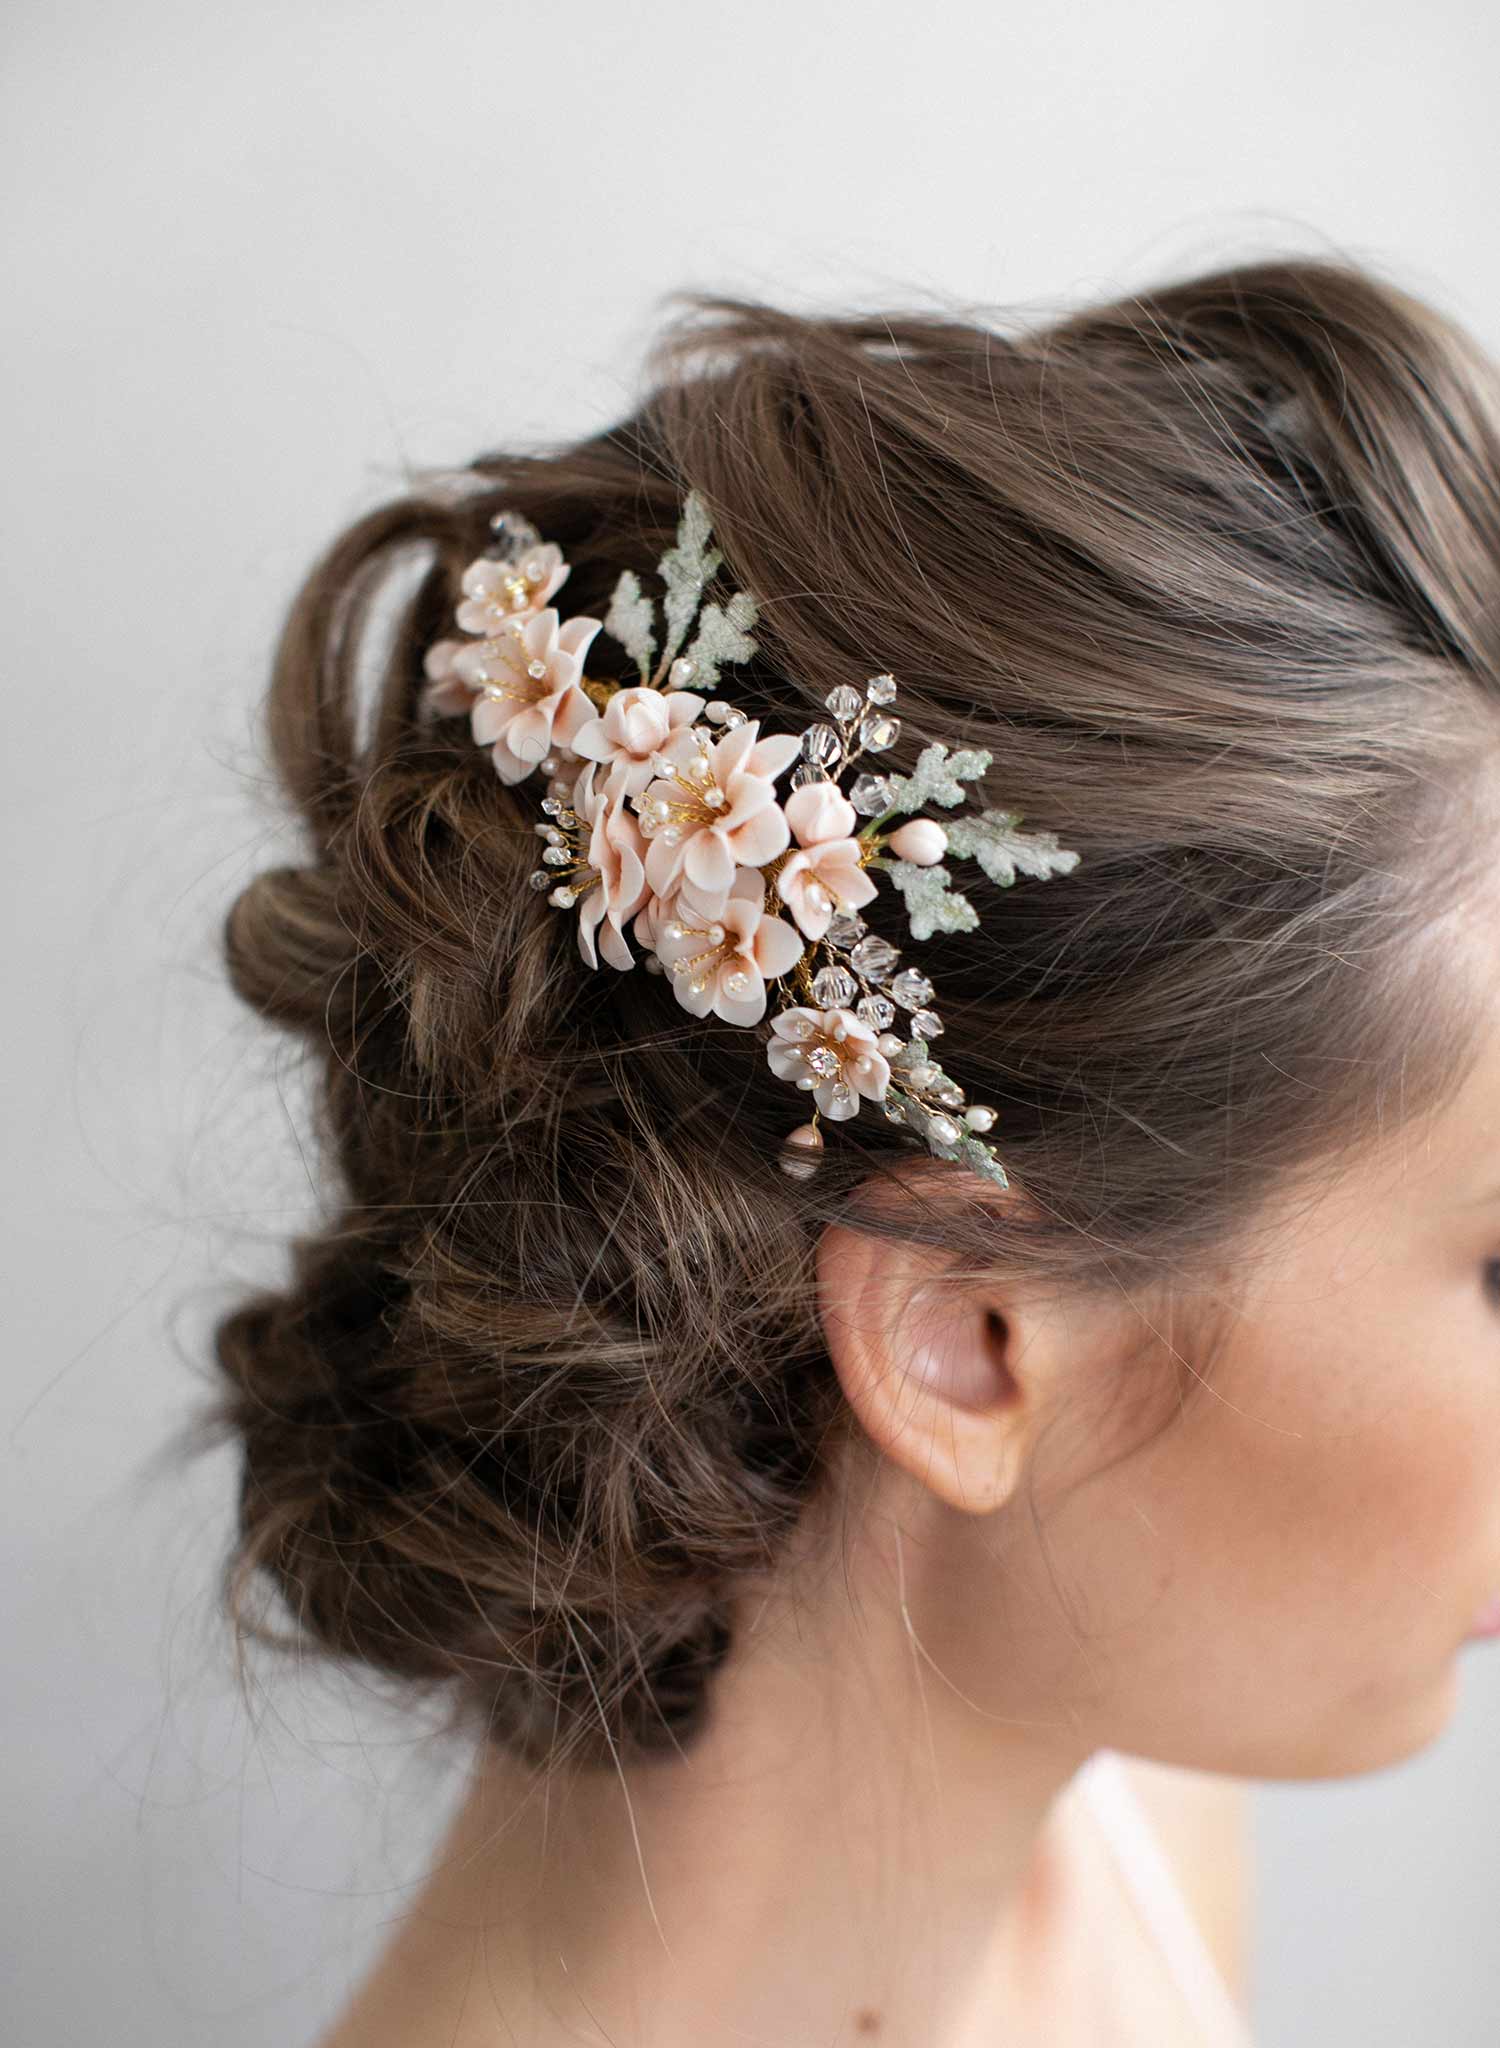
(685, 569)
(630, 621)
(722, 637)
(938, 777)
(932, 904)
(991, 837)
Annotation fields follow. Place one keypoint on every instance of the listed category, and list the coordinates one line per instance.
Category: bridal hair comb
(662, 812)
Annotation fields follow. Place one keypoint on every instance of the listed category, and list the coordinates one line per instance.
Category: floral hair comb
(662, 808)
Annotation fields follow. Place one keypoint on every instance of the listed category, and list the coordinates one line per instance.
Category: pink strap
(1149, 1877)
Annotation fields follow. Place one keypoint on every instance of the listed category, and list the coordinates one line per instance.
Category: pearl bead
(809, 1139)
(980, 1118)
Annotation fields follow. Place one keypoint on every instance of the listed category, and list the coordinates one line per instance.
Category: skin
(1277, 1584)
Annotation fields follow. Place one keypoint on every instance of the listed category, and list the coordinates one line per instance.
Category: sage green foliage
(938, 777)
(932, 903)
(991, 838)
(685, 570)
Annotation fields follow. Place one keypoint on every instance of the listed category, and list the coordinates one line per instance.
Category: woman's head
(574, 1370)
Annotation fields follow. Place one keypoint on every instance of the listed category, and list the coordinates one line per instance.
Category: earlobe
(925, 1362)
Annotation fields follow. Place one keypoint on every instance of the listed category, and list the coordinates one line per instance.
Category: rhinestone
(943, 1130)
(927, 1024)
(879, 731)
(540, 878)
(980, 1117)
(875, 1011)
(821, 743)
(881, 689)
(844, 703)
(871, 794)
(874, 958)
(823, 1060)
(536, 670)
(911, 989)
(808, 771)
(833, 987)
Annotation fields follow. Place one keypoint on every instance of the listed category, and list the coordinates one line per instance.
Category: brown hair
(1212, 572)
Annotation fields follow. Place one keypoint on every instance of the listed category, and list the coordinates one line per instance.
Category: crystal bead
(875, 1011)
(841, 1095)
(823, 1060)
(927, 1024)
(911, 988)
(821, 743)
(881, 689)
(551, 806)
(808, 771)
(734, 716)
(874, 958)
(844, 929)
(871, 794)
(833, 988)
(844, 703)
(980, 1117)
(879, 731)
(540, 878)
(893, 1109)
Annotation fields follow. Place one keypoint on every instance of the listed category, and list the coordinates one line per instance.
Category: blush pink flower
(445, 692)
(635, 723)
(717, 808)
(824, 873)
(497, 592)
(617, 855)
(723, 964)
(530, 698)
(830, 1053)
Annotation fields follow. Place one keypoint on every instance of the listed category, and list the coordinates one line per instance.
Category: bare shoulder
(1204, 1822)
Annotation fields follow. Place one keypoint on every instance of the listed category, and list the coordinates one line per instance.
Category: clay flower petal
(818, 811)
(445, 692)
(617, 854)
(497, 592)
(635, 723)
(716, 809)
(816, 880)
(830, 1053)
(529, 682)
(721, 965)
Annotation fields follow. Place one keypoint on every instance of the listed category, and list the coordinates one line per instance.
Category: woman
(866, 1581)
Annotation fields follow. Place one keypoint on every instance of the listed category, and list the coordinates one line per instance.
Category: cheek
(1279, 1582)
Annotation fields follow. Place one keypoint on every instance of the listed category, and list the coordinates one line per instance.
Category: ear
(950, 1379)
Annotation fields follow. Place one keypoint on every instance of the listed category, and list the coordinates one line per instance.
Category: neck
(847, 1849)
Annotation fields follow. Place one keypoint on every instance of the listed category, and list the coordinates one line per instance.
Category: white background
(257, 260)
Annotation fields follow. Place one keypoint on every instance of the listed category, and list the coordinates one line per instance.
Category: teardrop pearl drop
(810, 1139)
